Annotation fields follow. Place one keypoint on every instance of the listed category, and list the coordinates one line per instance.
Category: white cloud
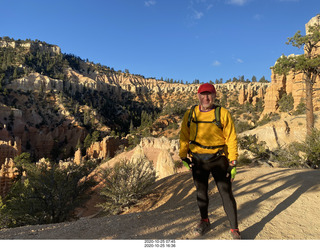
(237, 60)
(209, 6)
(216, 63)
(198, 8)
(197, 14)
(257, 17)
(150, 3)
(237, 2)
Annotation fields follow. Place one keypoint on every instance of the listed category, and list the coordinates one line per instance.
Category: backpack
(215, 121)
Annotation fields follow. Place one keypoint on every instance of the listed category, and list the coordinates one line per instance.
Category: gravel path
(272, 203)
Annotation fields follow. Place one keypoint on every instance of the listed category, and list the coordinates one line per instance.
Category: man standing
(208, 136)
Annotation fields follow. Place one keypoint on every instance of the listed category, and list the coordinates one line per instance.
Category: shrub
(312, 149)
(268, 118)
(242, 126)
(300, 109)
(125, 183)
(289, 156)
(286, 103)
(250, 143)
(305, 154)
(49, 193)
(133, 141)
(177, 164)
(4, 218)
(244, 160)
(178, 107)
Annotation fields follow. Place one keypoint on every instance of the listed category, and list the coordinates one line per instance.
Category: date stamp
(161, 243)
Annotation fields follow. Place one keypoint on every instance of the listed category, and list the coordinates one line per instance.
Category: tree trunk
(309, 106)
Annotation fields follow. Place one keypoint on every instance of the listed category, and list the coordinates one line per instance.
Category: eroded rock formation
(9, 149)
(251, 92)
(7, 174)
(293, 84)
(106, 148)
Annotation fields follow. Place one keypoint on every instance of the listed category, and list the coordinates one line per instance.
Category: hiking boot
(235, 234)
(202, 227)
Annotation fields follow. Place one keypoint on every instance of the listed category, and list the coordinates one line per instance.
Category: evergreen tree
(307, 63)
(79, 144)
(262, 79)
(95, 136)
(48, 193)
(87, 141)
(131, 128)
(286, 103)
(254, 79)
(196, 81)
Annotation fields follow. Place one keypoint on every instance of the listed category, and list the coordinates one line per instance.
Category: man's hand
(187, 163)
(232, 170)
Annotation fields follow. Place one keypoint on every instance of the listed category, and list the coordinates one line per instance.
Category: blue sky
(178, 39)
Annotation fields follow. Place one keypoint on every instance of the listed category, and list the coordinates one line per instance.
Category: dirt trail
(272, 204)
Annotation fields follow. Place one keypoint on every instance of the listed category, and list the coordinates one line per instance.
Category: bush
(243, 159)
(286, 103)
(177, 164)
(250, 143)
(289, 156)
(133, 141)
(312, 149)
(177, 107)
(300, 109)
(268, 118)
(241, 126)
(125, 183)
(49, 193)
(303, 155)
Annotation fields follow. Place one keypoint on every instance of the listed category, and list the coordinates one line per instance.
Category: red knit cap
(206, 88)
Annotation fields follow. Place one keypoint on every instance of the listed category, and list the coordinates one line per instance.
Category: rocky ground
(273, 204)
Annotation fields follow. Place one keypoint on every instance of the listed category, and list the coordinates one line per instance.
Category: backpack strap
(190, 114)
(217, 116)
(217, 120)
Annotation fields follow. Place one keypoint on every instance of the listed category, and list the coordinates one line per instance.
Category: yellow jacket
(209, 134)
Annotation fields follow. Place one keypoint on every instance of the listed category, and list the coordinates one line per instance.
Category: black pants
(218, 168)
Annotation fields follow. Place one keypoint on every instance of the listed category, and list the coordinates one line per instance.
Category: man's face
(206, 100)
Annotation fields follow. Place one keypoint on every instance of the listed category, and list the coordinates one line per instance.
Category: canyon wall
(116, 86)
(30, 46)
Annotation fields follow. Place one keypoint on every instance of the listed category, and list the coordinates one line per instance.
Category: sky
(176, 39)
